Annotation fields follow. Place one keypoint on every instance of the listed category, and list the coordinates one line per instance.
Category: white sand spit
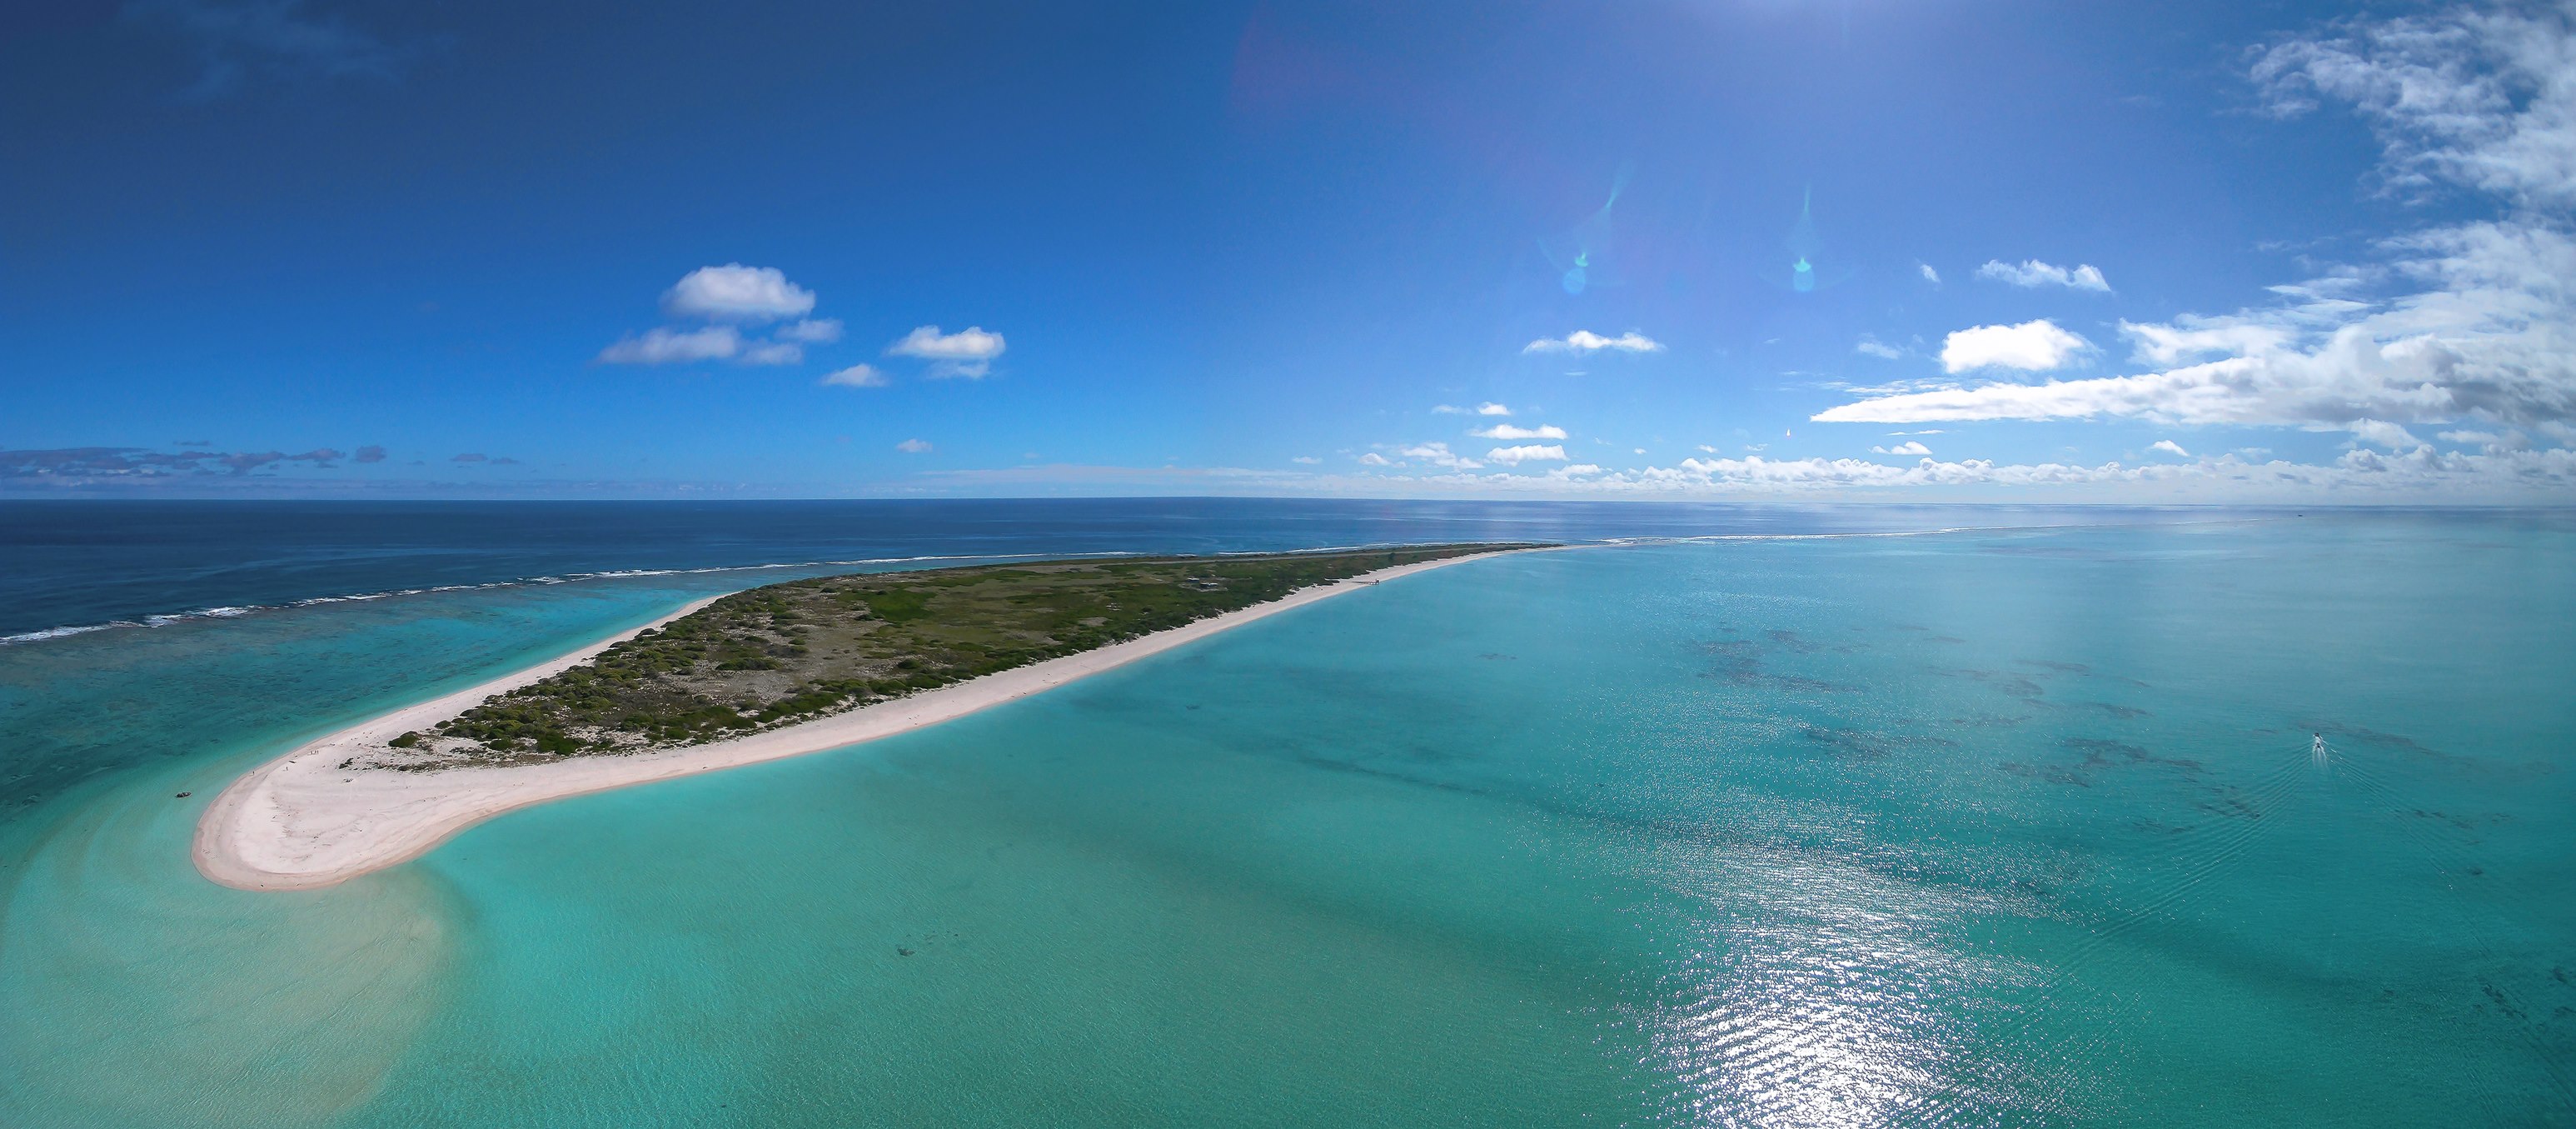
(302, 821)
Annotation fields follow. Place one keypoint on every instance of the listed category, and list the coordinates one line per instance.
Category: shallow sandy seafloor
(1996, 827)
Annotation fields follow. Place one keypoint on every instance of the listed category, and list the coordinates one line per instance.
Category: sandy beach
(301, 821)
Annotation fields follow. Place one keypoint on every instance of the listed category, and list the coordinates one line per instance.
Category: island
(771, 672)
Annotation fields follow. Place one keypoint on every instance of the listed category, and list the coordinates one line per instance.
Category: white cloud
(2381, 433)
(857, 376)
(2032, 345)
(2458, 321)
(1586, 341)
(2471, 97)
(2493, 442)
(968, 344)
(1306, 460)
(1488, 408)
(2169, 447)
(2363, 477)
(665, 347)
(967, 353)
(1925, 431)
(1873, 347)
(1438, 454)
(913, 447)
(813, 331)
(2360, 476)
(1372, 458)
(1507, 431)
(1909, 447)
(773, 353)
(2491, 334)
(1514, 456)
(2036, 273)
(2195, 337)
(1929, 275)
(734, 292)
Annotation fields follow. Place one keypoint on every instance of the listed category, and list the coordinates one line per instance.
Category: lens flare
(1573, 252)
(1806, 250)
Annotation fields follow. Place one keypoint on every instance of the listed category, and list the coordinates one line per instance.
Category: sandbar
(302, 822)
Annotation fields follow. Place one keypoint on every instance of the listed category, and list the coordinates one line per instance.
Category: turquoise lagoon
(2015, 827)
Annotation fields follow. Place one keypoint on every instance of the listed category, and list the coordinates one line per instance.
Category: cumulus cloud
(1507, 431)
(969, 344)
(1873, 347)
(2358, 476)
(1305, 460)
(2031, 346)
(2490, 335)
(772, 353)
(734, 292)
(2470, 97)
(668, 346)
(2192, 338)
(1438, 454)
(2460, 321)
(811, 331)
(370, 454)
(1929, 275)
(1488, 408)
(856, 376)
(2494, 443)
(2381, 433)
(1909, 447)
(913, 446)
(1514, 456)
(2033, 272)
(1586, 341)
(967, 353)
(2169, 447)
(1372, 458)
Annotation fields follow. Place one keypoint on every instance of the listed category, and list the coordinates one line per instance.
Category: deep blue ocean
(1758, 816)
(73, 564)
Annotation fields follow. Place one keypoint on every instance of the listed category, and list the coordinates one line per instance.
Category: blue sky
(2054, 252)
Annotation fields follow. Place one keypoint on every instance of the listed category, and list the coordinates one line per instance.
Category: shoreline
(299, 822)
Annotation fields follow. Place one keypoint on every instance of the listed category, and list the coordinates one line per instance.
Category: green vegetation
(809, 648)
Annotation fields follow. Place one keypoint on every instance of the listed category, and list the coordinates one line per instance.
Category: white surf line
(301, 822)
